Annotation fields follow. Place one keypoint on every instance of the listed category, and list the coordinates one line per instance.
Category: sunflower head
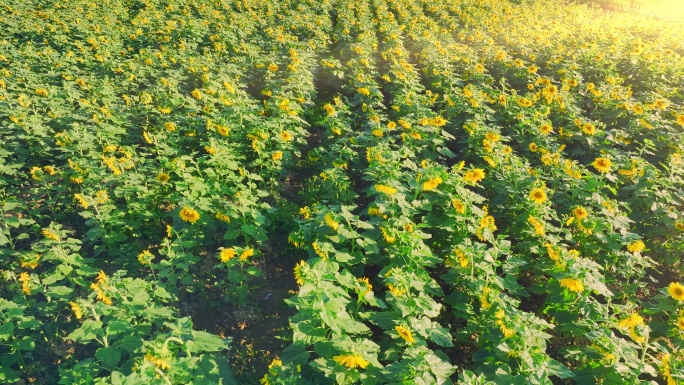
(189, 215)
(602, 165)
(580, 212)
(676, 291)
(538, 195)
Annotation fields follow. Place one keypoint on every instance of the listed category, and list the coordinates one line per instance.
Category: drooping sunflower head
(405, 334)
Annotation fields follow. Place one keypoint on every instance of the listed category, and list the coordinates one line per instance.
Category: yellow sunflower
(474, 176)
(351, 361)
(676, 290)
(405, 333)
(286, 136)
(538, 195)
(189, 215)
(636, 247)
(572, 284)
(580, 212)
(602, 165)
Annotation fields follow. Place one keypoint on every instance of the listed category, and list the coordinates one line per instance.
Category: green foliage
(477, 192)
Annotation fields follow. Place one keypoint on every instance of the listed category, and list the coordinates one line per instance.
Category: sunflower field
(340, 192)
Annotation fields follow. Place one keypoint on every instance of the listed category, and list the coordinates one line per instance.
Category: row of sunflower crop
(137, 171)
(513, 200)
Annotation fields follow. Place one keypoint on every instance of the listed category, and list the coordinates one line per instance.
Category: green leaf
(295, 354)
(6, 331)
(86, 331)
(440, 367)
(60, 291)
(214, 369)
(109, 356)
(556, 368)
(206, 342)
(116, 327)
(441, 337)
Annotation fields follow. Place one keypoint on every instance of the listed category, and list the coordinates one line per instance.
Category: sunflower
(227, 254)
(572, 284)
(533, 147)
(538, 226)
(246, 254)
(222, 130)
(189, 215)
(76, 308)
(81, 200)
(405, 334)
(545, 129)
(676, 290)
(492, 137)
(196, 94)
(432, 184)
(636, 247)
(680, 120)
(679, 226)
(474, 176)
(24, 279)
(49, 234)
(351, 361)
(588, 128)
(631, 321)
(367, 287)
(330, 221)
(163, 177)
(298, 272)
(680, 323)
(364, 91)
(286, 136)
(458, 206)
(438, 121)
(602, 165)
(145, 258)
(381, 188)
(538, 195)
(580, 212)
